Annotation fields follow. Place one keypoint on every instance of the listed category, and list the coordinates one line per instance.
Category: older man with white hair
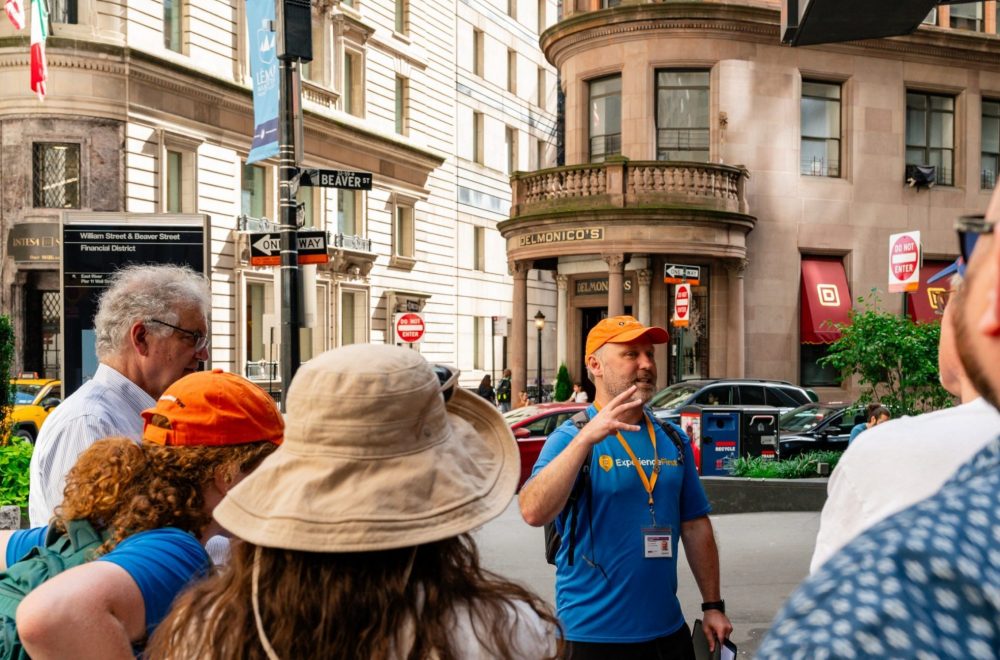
(151, 329)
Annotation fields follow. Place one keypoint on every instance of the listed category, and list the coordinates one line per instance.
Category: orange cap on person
(213, 409)
(622, 330)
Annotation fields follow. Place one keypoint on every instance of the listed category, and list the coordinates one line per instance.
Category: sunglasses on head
(448, 377)
(970, 228)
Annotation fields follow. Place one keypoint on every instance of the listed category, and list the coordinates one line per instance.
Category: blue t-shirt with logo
(612, 593)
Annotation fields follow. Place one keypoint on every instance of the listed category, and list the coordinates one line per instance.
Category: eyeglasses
(198, 341)
(970, 228)
(448, 377)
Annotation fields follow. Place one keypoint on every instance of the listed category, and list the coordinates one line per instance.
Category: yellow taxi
(34, 399)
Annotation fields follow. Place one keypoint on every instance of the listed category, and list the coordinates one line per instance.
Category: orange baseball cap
(213, 409)
(622, 330)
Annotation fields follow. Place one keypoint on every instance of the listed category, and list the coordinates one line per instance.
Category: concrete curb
(740, 495)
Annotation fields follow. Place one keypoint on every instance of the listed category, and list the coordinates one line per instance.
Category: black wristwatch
(714, 605)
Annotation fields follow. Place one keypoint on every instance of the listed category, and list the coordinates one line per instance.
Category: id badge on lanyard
(657, 543)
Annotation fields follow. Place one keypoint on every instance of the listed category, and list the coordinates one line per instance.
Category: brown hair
(127, 488)
(348, 605)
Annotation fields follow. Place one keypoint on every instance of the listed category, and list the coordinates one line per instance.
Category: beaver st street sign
(343, 179)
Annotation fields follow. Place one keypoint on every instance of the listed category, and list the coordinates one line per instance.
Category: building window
(478, 145)
(930, 133)
(540, 147)
(605, 117)
(402, 105)
(347, 212)
(542, 89)
(62, 11)
(353, 317)
(512, 71)
(477, 342)
(682, 115)
(820, 117)
(479, 248)
(990, 162)
(261, 334)
(402, 14)
(172, 16)
(510, 140)
(931, 18)
(55, 175)
(315, 70)
(175, 181)
(253, 198)
(402, 232)
(967, 16)
(605, 4)
(477, 52)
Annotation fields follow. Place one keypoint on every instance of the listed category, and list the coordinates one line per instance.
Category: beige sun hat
(373, 459)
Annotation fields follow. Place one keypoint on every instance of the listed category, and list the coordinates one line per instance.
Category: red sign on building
(409, 327)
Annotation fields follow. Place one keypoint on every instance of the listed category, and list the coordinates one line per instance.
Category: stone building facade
(693, 137)
(149, 110)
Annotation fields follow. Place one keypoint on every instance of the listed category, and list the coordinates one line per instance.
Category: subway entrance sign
(343, 179)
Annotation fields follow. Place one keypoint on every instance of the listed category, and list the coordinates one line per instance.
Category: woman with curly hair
(356, 531)
(139, 514)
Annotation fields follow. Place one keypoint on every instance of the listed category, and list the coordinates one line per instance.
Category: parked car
(816, 427)
(667, 403)
(532, 425)
(34, 399)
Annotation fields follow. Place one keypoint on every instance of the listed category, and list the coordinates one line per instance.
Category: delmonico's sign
(561, 236)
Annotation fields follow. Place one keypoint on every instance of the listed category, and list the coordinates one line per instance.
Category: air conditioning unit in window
(921, 176)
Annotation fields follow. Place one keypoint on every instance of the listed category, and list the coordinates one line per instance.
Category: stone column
(562, 318)
(645, 279)
(519, 329)
(736, 340)
(616, 283)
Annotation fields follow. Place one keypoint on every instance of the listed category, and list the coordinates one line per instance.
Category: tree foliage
(6, 391)
(564, 387)
(894, 359)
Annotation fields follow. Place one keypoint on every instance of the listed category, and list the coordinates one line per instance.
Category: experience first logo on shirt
(607, 462)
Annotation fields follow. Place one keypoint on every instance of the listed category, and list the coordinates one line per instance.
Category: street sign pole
(290, 52)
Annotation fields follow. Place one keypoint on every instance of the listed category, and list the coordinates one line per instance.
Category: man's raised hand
(609, 419)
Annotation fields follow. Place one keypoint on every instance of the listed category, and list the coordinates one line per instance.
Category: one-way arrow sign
(265, 249)
(344, 179)
(680, 273)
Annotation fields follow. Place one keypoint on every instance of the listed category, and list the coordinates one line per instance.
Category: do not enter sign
(904, 262)
(409, 327)
(682, 305)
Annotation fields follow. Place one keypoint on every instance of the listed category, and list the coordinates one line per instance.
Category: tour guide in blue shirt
(619, 597)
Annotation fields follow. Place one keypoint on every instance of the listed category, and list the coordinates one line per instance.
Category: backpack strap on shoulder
(582, 484)
(672, 433)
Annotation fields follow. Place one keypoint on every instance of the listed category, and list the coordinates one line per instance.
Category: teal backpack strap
(62, 551)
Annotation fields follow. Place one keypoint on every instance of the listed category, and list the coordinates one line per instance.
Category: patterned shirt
(924, 583)
(106, 405)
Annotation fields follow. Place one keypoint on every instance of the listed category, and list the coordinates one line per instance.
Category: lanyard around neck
(648, 483)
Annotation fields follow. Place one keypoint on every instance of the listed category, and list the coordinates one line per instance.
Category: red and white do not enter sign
(904, 258)
(682, 304)
(409, 327)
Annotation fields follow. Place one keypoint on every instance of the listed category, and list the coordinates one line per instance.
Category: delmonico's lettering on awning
(561, 236)
(598, 285)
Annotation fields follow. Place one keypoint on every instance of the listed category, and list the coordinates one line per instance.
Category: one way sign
(265, 249)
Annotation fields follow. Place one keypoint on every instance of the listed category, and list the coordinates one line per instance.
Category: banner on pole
(266, 82)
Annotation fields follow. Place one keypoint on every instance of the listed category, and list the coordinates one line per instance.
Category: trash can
(720, 439)
(759, 435)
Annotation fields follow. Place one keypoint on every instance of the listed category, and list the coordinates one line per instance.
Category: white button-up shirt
(109, 404)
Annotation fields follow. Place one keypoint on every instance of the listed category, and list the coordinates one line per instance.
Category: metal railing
(350, 242)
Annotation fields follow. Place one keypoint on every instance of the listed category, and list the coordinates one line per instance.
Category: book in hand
(725, 650)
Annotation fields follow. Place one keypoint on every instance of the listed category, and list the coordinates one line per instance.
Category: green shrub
(15, 459)
(563, 385)
(802, 466)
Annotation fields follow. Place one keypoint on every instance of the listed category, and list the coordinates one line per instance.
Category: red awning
(825, 297)
(927, 303)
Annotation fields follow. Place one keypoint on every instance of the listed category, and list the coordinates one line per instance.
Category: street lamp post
(539, 323)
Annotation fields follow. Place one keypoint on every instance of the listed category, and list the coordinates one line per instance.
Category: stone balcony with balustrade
(670, 205)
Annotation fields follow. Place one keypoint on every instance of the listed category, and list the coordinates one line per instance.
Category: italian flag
(39, 31)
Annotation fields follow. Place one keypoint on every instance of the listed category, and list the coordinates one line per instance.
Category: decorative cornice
(757, 24)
